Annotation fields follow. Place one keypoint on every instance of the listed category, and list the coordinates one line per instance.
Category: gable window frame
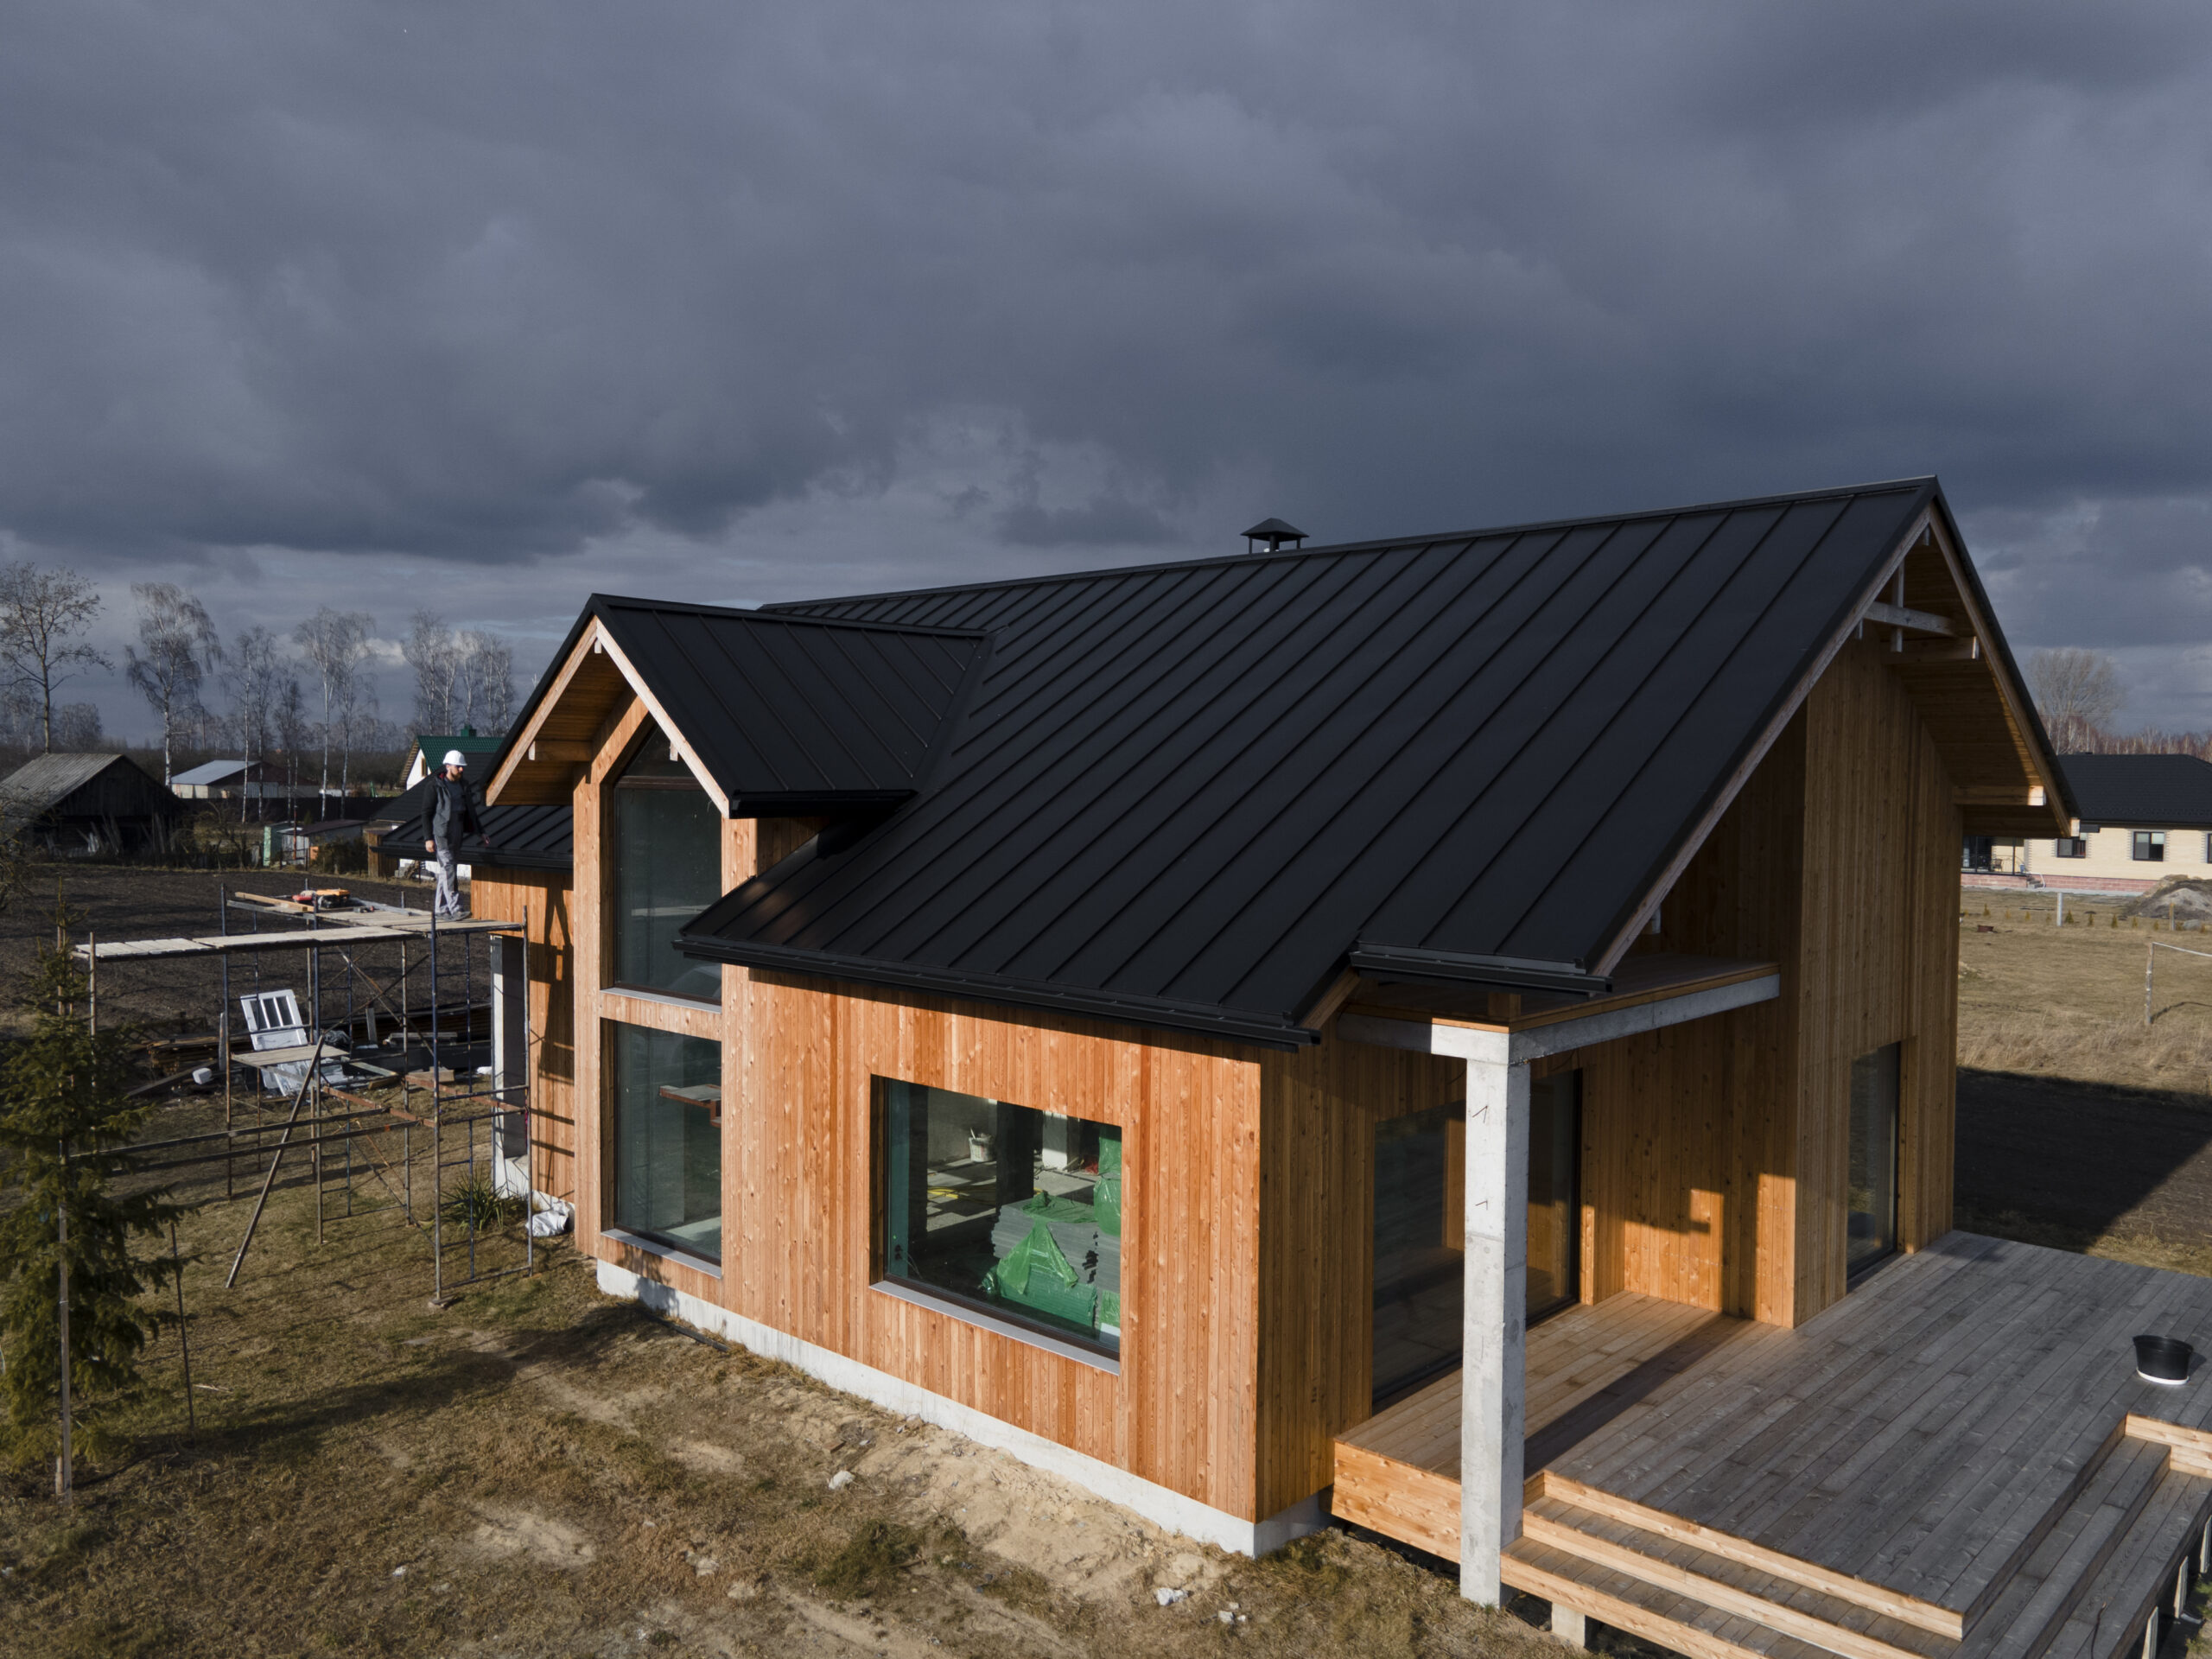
(630, 792)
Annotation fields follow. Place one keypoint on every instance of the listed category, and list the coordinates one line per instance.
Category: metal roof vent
(1274, 533)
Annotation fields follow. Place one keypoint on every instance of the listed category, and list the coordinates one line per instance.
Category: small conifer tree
(66, 1119)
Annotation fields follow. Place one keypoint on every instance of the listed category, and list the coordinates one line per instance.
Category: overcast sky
(486, 306)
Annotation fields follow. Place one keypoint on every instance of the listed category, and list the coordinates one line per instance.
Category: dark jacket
(452, 814)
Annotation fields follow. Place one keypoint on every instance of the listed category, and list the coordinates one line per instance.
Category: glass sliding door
(1554, 1192)
(1873, 1219)
(1420, 1222)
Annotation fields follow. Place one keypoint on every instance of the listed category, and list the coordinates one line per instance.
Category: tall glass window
(1873, 1228)
(666, 868)
(1004, 1209)
(668, 1139)
(1420, 1222)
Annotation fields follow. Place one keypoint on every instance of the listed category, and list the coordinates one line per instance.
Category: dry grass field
(2079, 1125)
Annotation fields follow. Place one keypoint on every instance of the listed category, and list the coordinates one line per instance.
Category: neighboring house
(1453, 1030)
(88, 804)
(2144, 817)
(432, 748)
(233, 780)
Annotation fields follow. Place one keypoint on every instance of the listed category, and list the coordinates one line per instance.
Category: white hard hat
(454, 759)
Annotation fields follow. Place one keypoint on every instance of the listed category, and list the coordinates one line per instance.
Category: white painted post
(2061, 908)
(1493, 1379)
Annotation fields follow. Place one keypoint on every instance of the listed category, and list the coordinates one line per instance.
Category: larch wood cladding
(1716, 1153)
(1713, 1155)
(542, 898)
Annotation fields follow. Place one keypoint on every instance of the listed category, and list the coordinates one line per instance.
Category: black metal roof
(791, 714)
(2159, 791)
(523, 837)
(1190, 794)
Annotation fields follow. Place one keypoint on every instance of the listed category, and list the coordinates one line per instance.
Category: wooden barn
(88, 804)
(1454, 1032)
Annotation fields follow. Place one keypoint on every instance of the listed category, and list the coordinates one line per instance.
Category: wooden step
(2034, 1602)
(1816, 1616)
(1665, 1617)
(1927, 1617)
(2107, 1624)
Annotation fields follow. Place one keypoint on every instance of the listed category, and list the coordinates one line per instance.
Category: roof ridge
(768, 613)
(1379, 544)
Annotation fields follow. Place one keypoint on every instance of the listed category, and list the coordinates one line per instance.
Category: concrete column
(1493, 1380)
(1570, 1626)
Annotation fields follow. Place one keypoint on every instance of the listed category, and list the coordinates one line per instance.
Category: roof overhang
(1925, 602)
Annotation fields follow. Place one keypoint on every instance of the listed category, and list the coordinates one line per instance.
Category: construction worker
(452, 814)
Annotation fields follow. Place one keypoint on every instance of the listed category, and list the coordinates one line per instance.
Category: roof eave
(1152, 1013)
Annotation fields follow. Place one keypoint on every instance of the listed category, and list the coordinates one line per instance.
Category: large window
(1003, 1210)
(1420, 1222)
(668, 1139)
(666, 868)
(1874, 1221)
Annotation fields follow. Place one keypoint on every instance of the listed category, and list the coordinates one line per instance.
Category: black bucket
(2163, 1359)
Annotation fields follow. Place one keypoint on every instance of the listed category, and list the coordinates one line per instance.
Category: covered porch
(1958, 1459)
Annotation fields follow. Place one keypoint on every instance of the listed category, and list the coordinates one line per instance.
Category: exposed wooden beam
(1897, 616)
(1941, 651)
(560, 752)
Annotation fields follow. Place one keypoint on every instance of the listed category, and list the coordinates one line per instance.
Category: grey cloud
(525, 283)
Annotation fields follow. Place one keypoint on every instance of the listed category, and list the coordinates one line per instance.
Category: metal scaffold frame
(336, 1118)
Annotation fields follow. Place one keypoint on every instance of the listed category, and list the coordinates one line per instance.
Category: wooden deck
(1958, 1459)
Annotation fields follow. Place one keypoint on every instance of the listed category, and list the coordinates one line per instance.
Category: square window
(668, 1139)
(1004, 1209)
(2070, 847)
(2149, 846)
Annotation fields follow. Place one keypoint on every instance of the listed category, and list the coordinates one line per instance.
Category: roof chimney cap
(1274, 533)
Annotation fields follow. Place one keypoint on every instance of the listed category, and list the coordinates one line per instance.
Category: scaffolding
(477, 1118)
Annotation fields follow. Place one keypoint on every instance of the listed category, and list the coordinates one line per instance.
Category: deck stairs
(2081, 1581)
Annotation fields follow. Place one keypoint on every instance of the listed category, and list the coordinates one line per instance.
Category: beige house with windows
(2144, 819)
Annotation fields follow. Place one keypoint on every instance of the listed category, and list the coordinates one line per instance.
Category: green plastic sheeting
(1053, 1208)
(1036, 1275)
(1106, 1197)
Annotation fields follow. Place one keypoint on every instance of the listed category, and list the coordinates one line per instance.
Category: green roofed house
(431, 748)
(1455, 1033)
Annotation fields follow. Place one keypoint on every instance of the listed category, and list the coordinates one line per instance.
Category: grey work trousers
(449, 900)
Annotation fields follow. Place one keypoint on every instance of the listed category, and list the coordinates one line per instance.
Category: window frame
(977, 1310)
(2147, 846)
(618, 780)
(652, 1243)
(2070, 847)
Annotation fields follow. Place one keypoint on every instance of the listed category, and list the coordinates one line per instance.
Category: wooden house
(1455, 1033)
(88, 805)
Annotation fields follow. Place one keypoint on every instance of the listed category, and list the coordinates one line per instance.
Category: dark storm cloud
(504, 282)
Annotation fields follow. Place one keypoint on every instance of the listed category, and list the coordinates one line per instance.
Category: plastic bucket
(2163, 1359)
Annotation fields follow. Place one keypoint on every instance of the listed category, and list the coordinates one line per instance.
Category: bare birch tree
(334, 643)
(176, 652)
(432, 652)
(487, 678)
(288, 720)
(2078, 693)
(252, 676)
(42, 613)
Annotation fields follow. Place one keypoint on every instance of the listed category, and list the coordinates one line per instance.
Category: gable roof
(532, 837)
(209, 771)
(780, 714)
(46, 783)
(1190, 795)
(2157, 792)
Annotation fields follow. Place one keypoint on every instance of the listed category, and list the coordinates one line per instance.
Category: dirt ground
(540, 1470)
